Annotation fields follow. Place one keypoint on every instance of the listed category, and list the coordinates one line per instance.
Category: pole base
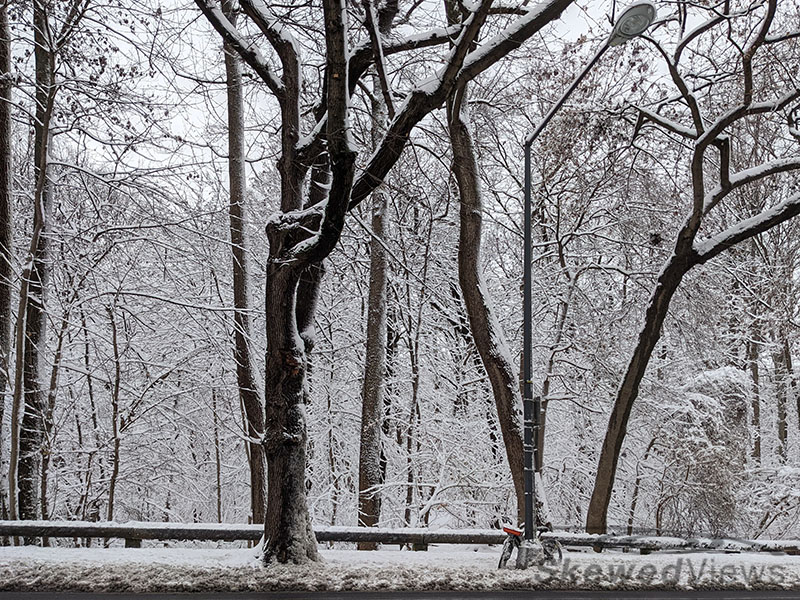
(530, 554)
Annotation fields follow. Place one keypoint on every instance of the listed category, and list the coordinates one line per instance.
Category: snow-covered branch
(511, 38)
(246, 49)
(667, 124)
(748, 176)
(432, 94)
(747, 228)
(279, 37)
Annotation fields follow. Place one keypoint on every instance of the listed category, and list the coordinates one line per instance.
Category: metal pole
(628, 26)
(527, 375)
(531, 407)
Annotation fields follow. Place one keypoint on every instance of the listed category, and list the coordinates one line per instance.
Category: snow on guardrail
(135, 531)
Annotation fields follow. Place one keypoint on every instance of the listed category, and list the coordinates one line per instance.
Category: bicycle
(550, 547)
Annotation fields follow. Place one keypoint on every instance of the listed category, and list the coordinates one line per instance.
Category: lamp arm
(554, 109)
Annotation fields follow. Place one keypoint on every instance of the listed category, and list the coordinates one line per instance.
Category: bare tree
(302, 235)
(486, 330)
(245, 375)
(29, 394)
(711, 127)
(370, 472)
(6, 237)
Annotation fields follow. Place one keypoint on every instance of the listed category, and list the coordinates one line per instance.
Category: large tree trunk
(287, 525)
(248, 390)
(668, 283)
(6, 240)
(35, 318)
(370, 469)
(486, 330)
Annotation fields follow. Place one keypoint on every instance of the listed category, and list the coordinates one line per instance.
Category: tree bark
(287, 525)
(370, 469)
(6, 230)
(246, 380)
(486, 330)
(667, 284)
(369, 466)
(32, 317)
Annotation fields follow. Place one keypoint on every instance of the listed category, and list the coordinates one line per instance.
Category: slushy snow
(152, 569)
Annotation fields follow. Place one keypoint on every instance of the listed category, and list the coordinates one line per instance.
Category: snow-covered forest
(263, 261)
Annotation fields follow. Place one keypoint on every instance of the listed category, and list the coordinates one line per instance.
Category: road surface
(499, 595)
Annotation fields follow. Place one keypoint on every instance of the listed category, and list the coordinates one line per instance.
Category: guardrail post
(133, 543)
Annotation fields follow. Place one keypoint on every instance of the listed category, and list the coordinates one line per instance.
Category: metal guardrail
(134, 532)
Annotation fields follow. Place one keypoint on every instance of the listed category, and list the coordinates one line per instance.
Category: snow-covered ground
(442, 567)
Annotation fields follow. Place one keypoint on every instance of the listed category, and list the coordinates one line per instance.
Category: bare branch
(742, 111)
(748, 176)
(694, 34)
(511, 38)
(668, 124)
(377, 55)
(748, 228)
(432, 94)
(360, 60)
(280, 39)
(677, 79)
(774, 39)
(747, 58)
(340, 150)
(246, 49)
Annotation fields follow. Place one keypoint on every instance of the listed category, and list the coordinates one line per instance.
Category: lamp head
(633, 22)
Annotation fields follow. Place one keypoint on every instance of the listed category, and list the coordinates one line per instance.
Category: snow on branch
(281, 39)
(431, 94)
(751, 175)
(511, 38)
(695, 33)
(774, 39)
(472, 26)
(246, 49)
(360, 60)
(686, 93)
(747, 228)
(667, 124)
(746, 110)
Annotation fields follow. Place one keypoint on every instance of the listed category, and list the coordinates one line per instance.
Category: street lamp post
(633, 22)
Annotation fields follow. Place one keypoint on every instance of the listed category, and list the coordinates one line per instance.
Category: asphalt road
(500, 595)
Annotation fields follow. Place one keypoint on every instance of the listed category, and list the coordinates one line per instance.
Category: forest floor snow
(441, 568)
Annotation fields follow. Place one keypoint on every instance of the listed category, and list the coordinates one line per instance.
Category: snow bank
(441, 568)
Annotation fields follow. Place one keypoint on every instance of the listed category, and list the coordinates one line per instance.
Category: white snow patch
(440, 568)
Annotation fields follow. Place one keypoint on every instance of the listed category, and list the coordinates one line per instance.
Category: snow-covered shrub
(704, 478)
